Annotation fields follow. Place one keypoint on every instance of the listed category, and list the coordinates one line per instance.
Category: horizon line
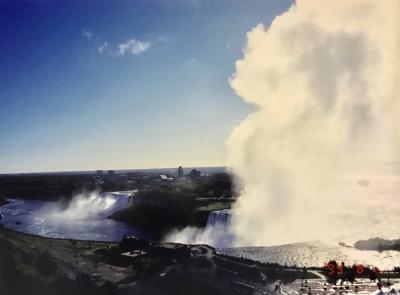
(116, 170)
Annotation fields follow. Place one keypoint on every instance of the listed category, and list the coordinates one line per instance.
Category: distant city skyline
(121, 84)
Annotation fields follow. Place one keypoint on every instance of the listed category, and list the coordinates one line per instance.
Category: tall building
(180, 172)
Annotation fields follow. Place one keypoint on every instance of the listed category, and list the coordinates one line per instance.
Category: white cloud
(102, 47)
(133, 46)
(87, 33)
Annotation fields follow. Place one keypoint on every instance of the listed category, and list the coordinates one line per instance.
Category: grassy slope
(34, 265)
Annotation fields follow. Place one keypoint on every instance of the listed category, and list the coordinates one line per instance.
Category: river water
(85, 217)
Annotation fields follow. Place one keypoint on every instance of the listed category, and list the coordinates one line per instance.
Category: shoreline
(131, 269)
(134, 267)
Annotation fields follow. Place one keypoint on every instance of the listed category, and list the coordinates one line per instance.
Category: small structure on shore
(132, 243)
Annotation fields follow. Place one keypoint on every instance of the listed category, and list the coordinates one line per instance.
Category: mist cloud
(323, 77)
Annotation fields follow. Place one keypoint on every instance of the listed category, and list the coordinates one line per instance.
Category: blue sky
(121, 84)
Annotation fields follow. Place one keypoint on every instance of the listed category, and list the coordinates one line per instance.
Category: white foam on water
(85, 217)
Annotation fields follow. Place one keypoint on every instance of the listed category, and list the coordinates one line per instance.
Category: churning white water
(94, 205)
(84, 218)
(216, 233)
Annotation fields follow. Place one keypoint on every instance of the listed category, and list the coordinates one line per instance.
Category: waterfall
(219, 218)
(217, 232)
(85, 217)
(94, 205)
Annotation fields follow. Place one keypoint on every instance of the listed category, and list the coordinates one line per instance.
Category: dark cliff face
(159, 211)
